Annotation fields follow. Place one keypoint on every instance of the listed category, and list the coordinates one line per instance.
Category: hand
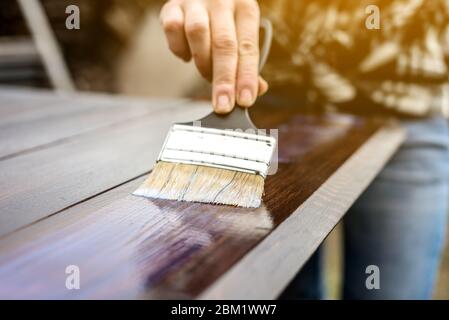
(222, 37)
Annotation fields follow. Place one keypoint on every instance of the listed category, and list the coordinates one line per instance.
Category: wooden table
(68, 163)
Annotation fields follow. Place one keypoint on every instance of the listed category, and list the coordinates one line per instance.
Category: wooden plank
(69, 216)
(66, 117)
(316, 217)
(141, 248)
(38, 184)
(13, 102)
(19, 105)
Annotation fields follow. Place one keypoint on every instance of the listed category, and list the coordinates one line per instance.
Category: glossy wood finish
(130, 247)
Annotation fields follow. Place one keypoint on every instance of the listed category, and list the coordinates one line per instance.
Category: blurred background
(120, 48)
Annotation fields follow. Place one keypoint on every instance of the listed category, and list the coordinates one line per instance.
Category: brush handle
(239, 118)
(267, 27)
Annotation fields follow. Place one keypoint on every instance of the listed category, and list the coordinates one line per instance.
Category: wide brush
(220, 159)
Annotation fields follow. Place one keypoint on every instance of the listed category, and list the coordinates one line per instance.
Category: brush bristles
(185, 182)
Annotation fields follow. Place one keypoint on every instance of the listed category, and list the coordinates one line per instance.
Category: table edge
(282, 252)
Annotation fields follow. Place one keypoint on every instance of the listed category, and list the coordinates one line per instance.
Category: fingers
(172, 19)
(198, 36)
(222, 36)
(247, 24)
(224, 55)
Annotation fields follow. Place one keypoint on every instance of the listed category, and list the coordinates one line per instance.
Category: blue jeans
(398, 224)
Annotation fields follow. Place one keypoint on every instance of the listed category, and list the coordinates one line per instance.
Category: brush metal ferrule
(226, 149)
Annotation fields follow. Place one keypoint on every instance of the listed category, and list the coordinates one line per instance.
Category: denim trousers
(398, 224)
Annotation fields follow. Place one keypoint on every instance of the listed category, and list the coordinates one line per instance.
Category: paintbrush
(219, 159)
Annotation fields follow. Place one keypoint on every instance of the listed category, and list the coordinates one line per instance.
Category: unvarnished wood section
(56, 118)
(131, 247)
(43, 181)
(18, 105)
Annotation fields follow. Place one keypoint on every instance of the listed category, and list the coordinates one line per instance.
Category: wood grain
(37, 184)
(315, 217)
(19, 105)
(63, 117)
(130, 247)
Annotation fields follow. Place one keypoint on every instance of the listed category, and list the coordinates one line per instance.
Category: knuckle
(247, 80)
(172, 25)
(248, 47)
(224, 79)
(196, 29)
(247, 77)
(225, 44)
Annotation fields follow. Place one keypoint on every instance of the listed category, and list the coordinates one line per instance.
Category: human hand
(222, 37)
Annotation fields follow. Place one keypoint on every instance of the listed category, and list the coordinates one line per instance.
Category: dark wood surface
(65, 200)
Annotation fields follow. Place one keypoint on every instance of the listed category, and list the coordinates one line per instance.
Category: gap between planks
(33, 246)
(58, 119)
(41, 183)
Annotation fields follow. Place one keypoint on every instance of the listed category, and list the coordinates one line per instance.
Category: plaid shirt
(326, 47)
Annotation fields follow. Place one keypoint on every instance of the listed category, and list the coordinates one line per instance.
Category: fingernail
(246, 98)
(223, 103)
